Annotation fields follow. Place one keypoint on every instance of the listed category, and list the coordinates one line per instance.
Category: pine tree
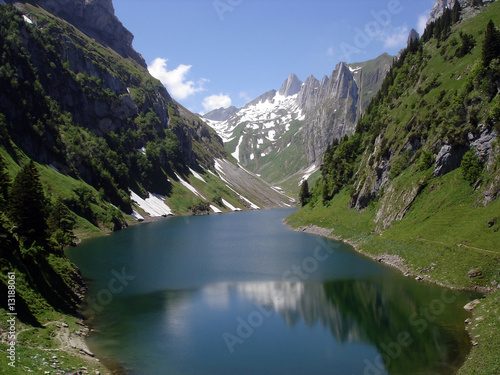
(457, 9)
(491, 44)
(4, 186)
(27, 209)
(304, 194)
(60, 224)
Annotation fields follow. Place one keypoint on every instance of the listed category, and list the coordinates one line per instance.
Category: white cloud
(396, 38)
(330, 52)
(175, 80)
(422, 21)
(215, 102)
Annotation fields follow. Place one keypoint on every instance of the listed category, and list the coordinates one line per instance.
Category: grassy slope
(447, 231)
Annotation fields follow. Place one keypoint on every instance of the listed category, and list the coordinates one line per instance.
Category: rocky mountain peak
(308, 94)
(412, 36)
(96, 18)
(291, 86)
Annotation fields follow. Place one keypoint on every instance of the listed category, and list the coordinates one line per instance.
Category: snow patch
(230, 206)
(154, 205)
(189, 187)
(27, 20)
(355, 69)
(252, 156)
(215, 209)
(236, 153)
(307, 173)
(137, 216)
(197, 175)
(270, 135)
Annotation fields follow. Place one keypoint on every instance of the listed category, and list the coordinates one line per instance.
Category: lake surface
(242, 294)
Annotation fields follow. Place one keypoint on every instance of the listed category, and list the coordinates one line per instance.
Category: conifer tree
(304, 194)
(27, 209)
(60, 224)
(457, 9)
(491, 44)
(4, 186)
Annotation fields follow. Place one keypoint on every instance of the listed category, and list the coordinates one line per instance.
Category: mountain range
(282, 135)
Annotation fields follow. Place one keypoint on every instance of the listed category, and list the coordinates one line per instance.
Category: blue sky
(213, 53)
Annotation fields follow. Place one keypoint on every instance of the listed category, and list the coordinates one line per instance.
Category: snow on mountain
(283, 134)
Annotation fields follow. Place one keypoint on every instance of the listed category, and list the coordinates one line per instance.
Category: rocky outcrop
(308, 94)
(97, 19)
(291, 86)
(448, 159)
(395, 203)
(413, 36)
(334, 114)
(482, 142)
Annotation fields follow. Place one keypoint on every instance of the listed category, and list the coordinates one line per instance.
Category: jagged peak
(311, 79)
(291, 86)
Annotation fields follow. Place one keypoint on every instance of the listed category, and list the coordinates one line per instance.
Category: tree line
(29, 217)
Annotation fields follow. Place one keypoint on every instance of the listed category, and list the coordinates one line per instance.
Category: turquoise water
(242, 294)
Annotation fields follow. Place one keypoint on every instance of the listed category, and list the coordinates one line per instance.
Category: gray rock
(97, 19)
(412, 37)
(448, 159)
(291, 86)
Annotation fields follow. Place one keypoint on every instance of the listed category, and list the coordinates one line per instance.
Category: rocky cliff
(283, 134)
(96, 18)
(101, 81)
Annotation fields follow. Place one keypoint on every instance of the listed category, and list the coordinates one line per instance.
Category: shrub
(471, 166)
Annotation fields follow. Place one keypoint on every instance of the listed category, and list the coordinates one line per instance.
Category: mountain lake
(241, 293)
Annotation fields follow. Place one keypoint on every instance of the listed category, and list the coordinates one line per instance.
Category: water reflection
(408, 338)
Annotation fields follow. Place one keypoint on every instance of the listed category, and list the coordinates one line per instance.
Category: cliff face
(101, 81)
(331, 110)
(96, 18)
(282, 133)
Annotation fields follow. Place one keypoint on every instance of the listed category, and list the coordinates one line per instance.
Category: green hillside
(80, 127)
(419, 180)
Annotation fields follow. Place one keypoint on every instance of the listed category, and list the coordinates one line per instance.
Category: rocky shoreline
(389, 259)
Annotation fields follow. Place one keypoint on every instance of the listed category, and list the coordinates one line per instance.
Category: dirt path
(461, 245)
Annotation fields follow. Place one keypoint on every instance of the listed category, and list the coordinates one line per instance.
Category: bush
(471, 166)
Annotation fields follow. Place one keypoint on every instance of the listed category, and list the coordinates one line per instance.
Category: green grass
(445, 231)
(38, 345)
(445, 215)
(484, 329)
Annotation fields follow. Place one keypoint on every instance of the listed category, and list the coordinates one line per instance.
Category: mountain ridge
(306, 116)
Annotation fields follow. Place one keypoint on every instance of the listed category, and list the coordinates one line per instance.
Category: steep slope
(99, 142)
(417, 186)
(99, 115)
(282, 135)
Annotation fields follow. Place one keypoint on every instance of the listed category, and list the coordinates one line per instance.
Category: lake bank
(213, 272)
(430, 261)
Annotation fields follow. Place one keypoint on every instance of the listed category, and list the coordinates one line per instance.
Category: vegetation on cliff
(420, 178)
